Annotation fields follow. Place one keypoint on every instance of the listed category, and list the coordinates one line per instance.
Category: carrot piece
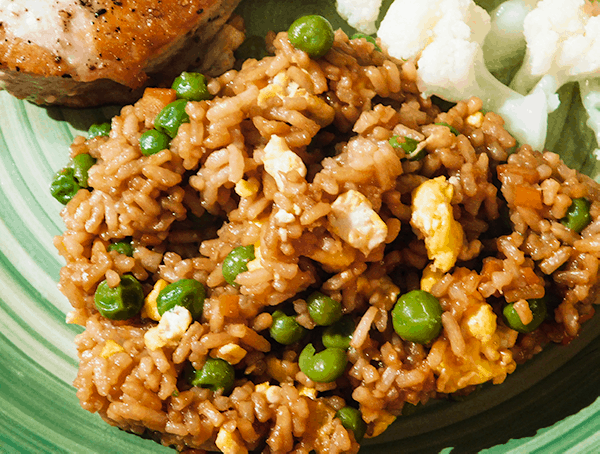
(527, 196)
(163, 95)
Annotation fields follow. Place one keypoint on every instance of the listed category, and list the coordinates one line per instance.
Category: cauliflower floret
(563, 40)
(432, 215)
(171, 328)
(353, 219)
(360, 14)
(279, 160)
(446, 39)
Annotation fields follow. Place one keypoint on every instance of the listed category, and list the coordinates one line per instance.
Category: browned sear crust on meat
(136, 43)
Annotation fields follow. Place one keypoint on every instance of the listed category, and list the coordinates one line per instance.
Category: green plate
(549, 405)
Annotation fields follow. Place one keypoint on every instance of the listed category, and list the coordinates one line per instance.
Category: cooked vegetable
(323, 309)
(236, 262)
(312, 34)
(171, 117)
(188, 293)
(538, 310)
(285, 329)
(339, 334)
(216, 374)
(368, 38)
(153, 141)
(82, 163)
(121, 302)
(417, 317)
(99, 130)
(578, 215)
(122, 247)
(325, 366)
(447, 38)
(351, 419)
(64, 186)
(191, 86)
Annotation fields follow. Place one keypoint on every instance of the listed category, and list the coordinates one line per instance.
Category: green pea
(578, 215)
(538, 310)
(171, 117)
(351, 419)
(325, 366)
(99, 130)
(410, 148)
(153, 141)
(339, 334)
(121, 302)
(323, 309)
(417, 317)
(215, 374)
(122, 247)
(368, 38)
(311, 34)
(453, 130)
(285, 329)
(81, 165)
(64, 186)
(191, 86)
(188, 293)
(236, 262)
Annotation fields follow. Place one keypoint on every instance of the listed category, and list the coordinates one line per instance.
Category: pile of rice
(336, 114)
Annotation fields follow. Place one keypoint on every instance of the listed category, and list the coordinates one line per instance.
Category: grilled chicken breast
(91, 52)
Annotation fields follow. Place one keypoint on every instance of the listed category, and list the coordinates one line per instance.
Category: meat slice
(91, 52)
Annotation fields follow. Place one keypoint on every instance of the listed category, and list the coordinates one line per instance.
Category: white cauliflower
(446, 39)
(563, 41)
(359, 14)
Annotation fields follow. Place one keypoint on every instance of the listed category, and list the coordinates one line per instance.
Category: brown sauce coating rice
(346, 105)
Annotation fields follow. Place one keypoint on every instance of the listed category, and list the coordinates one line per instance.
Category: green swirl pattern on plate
(549, 405)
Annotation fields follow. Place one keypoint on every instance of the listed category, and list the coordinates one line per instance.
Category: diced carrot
(229, 305)
(162, 95)
(526, 196)
(528, 175)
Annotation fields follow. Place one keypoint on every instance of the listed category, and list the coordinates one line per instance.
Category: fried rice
(218, 187)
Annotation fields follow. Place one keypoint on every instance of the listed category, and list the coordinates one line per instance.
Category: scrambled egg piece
(172, 326)
(432, 216)
(275, 88)
(245, 188)
(430, 277)
(255, 264)
(232, 353)
(480, 322)
(230, 442)
(110, 348)
(487, 355)
(149, 310)
(475, 120)
(382, 422)
(353, 219)
(279, 160)
(311, 393)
